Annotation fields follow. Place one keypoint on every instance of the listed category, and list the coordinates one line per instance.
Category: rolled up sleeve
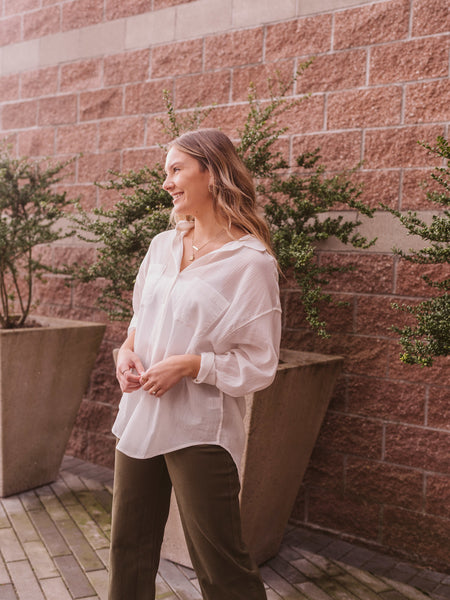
(250, 361)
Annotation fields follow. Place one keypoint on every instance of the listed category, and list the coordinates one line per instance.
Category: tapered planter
(282, 424)
(44, 372)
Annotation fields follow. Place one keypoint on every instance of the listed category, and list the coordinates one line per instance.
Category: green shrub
(29, 214)
(429, 337)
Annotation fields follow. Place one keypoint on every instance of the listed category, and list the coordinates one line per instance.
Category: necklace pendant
(195, 247)
(191, 258)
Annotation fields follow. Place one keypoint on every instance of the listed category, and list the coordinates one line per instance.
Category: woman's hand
(162, 376)
(129, 370)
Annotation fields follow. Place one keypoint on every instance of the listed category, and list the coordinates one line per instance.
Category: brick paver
(54, 546)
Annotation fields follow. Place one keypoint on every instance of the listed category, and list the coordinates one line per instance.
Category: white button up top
(225, 307)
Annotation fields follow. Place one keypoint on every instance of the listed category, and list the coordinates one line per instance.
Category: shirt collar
(250, 241)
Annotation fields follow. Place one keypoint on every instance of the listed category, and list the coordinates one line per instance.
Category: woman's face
(187, 184)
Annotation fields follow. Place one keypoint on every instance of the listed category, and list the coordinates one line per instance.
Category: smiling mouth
(176, 197)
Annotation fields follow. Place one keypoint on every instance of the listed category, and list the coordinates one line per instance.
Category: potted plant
(429, 335)
(282, 422)
(45, 363)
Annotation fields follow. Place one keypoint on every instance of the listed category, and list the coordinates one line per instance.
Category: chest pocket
(154, 273)
(197, 305)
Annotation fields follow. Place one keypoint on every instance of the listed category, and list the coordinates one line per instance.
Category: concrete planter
(44, 372)
(282, 424)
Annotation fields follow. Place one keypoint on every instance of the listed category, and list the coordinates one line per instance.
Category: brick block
(86, 194)
(13, 7)
(194, 90)
(438, 374)
(437, 494)
(398, 148)
(10, 30)
(379, 186)
(338, 151)
(228, 119)
(107, 198)
(94, 416)
(335, 512)
(414, 191)
(375, 316)
(81, 13)
(83, 75)
(351, 435)
(373, 24)
(117, 9)
(158, 4)
(338, 401)
(36, 142)
(155, 131)
(58, 110)
(116, 134)
(418, 447)
(387, 399)
(425, 537)
(371, 273)
(409, 61)
(42, 82)
(148, 97)
(234, 49)
(40, 23)
(365, 108)
(126, 68)
(77, 138)
(78, 443)
(104, 389)
(362, 355)
(101, 104)
(136, 159)
(381, 483)
(116, 332)
(430, 16)
(19, 115)
(53, 290)
(410, 278)
(325, 470)
(263, 78)
(101, 449)
(306, 116)
(438, 407)
(337, 318)
(301, 37)
(298, 339)
(332, 72)
(177, 59)
(9, 84)
(427, 102)
(95, 167)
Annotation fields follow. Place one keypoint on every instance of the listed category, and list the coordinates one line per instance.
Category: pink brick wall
(379, 82)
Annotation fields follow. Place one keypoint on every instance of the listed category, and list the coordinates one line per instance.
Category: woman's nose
(167, 183)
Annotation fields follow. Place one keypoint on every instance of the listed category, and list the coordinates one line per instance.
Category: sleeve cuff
(207, 372)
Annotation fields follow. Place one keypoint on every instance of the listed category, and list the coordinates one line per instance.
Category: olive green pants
(206, 486)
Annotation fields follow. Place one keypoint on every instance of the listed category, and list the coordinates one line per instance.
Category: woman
(205, 332)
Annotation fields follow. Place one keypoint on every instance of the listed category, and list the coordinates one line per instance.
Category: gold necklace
(198, 248)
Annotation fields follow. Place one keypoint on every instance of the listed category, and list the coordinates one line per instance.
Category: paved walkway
(54, 546)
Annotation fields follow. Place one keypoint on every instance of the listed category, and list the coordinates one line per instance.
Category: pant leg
(206, 484)
(141, 501)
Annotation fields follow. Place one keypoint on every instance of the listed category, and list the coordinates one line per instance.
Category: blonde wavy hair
(232, 188)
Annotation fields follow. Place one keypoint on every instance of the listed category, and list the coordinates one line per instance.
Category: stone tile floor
(54, 546)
